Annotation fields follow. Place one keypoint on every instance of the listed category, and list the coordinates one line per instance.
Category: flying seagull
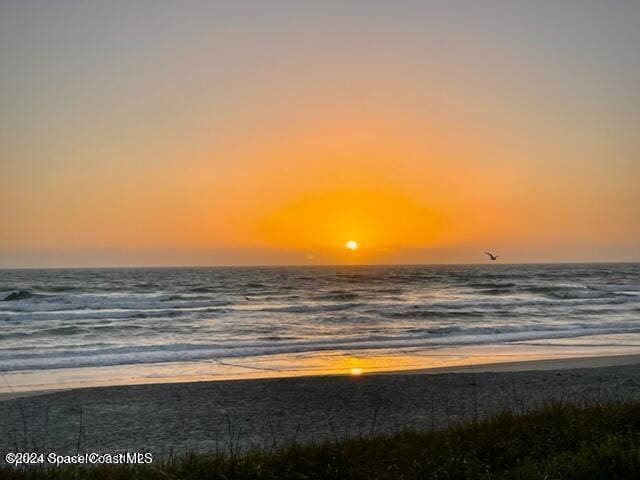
(491, 256)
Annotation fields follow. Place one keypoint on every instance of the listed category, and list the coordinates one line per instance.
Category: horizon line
(327, 265)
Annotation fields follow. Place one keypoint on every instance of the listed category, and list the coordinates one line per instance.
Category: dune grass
(558, 442)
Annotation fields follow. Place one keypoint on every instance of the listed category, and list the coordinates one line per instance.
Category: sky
(251, 132)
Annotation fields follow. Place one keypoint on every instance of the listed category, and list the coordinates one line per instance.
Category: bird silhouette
(492, 256)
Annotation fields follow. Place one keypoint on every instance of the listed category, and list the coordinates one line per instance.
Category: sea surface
(57, 319)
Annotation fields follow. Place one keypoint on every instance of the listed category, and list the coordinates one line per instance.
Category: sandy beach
(181, 417)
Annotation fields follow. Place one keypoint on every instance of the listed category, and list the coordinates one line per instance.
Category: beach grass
(557, 442)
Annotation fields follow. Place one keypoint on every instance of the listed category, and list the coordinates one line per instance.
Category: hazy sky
(169, 133)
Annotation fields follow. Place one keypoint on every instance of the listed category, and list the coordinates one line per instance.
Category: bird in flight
(492, 256)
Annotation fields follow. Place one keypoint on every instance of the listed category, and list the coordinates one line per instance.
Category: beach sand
(183, 417)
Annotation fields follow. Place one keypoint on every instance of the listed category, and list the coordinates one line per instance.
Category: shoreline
(534, 365)
(578, 362)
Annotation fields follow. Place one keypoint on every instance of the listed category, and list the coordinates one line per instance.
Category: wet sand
(181, 417)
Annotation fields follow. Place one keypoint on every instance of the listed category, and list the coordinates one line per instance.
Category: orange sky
(146, 137)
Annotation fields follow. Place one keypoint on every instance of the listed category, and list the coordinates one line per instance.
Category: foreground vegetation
(559, 442)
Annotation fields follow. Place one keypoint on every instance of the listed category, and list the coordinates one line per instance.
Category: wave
(202, 290)
(216, 351)
(194, 298)
(337, 295)
(497, 291)
(432, 313)
(311, 308)
(492, 285)
(20, 295)
(115, 313)
(553, 292)
(566, 292)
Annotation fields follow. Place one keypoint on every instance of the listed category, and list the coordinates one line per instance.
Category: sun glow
(352, 245)
(356, 371)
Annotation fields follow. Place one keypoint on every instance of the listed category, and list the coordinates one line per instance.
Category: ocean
(86, 318)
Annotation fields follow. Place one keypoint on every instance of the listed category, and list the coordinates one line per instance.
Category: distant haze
(252, 132)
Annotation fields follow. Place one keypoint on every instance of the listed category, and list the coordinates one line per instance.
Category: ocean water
(56, 319)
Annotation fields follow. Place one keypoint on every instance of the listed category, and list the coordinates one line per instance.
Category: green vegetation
(559, 442)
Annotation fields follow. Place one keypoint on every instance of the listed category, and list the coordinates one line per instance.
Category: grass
(558, 442)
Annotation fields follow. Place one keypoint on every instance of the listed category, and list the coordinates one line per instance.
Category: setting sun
(352, 245)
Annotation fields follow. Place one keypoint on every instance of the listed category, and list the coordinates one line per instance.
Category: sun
(352, 245)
